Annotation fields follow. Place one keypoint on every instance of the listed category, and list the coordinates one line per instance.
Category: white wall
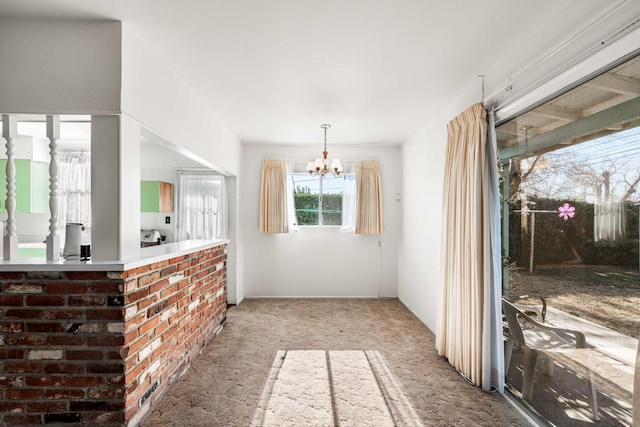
(169, 110)
(423, 157)
(59, 66)
(160, 101)
(320, 261)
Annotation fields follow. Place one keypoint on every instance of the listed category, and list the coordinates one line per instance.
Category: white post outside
(53, 239)
(10, 132)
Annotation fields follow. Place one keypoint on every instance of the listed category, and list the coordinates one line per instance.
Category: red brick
(158, 265)
(6, 275)
(49, 407)
(82, 381)
(117, 380)
(23, 314)
(110, 288)
(86, 406)
(159, 351)
(135, 371)
(139, 270)
(11, 407)
(110, 341)
(84, 355)
(105, 314)
(87, 300)
(158, 286)
(168, 291)
(63, 314)
(168, 270)
(147, 302)
(105, 368)
(45, 327)
(64, 393)
(64, 368)
(25, 340)
(66, 288)
(11, 327)
(47, 381)
(44, 275)
(111, 417)
(136, 346)
(25, 393)
(160, 329)
(146, 327)
(136, 296)
(44, 300)
(86, 275)
(11, 381)
(114, 355)
(184, 265)
(106, 393)
(21, 367)
(24, 419)
(23, 288)
(11, 300)
(131, 336)
(65, 340)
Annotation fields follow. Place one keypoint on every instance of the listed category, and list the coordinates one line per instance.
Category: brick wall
(102, 347)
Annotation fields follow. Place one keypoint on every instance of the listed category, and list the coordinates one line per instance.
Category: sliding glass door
(571, 202)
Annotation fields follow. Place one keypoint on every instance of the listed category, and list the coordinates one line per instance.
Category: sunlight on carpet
(332, 388)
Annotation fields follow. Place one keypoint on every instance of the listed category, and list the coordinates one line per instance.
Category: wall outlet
(380, 243)
(167, 220)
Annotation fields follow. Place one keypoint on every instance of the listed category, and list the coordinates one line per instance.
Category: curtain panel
(469, 333)
(369, 198)
(201, 211)
(273, 197)
(74, 188)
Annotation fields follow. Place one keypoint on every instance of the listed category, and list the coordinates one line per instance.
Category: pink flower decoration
(566, 211)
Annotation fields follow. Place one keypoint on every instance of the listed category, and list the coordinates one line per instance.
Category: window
(570, 235)
(324, 201)
(201, 206)
(74, 187)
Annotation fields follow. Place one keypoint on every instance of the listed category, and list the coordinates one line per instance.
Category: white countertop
(148, 255)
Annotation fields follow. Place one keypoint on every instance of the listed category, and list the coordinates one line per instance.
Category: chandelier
(319, 165)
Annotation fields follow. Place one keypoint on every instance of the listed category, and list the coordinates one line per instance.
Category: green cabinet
(156, 196)
(32, 186)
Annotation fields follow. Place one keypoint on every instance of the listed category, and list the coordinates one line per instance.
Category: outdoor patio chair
(539, 339)
(539, 311)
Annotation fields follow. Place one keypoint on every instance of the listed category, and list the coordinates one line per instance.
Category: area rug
(332, 388)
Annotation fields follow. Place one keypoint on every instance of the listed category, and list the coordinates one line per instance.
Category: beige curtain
(273, 197)
(369, 198)
(468, 330)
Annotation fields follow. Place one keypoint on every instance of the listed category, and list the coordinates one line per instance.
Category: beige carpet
(333, 362)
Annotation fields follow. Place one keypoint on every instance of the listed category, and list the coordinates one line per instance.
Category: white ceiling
(273, 71)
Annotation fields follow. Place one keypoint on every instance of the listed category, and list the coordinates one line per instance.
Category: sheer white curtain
(292, 220)
(469, 331)
(74, 188)
(349, 204)
(609, 222)
(201, 206)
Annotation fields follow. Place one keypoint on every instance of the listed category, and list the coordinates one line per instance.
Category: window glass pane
(570, 236)
(306, 198)
(332, 191)
(201, 206)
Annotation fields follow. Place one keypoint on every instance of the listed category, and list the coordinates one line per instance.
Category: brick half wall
(103, 347)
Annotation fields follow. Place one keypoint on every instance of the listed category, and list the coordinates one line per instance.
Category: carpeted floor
(238, 379)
